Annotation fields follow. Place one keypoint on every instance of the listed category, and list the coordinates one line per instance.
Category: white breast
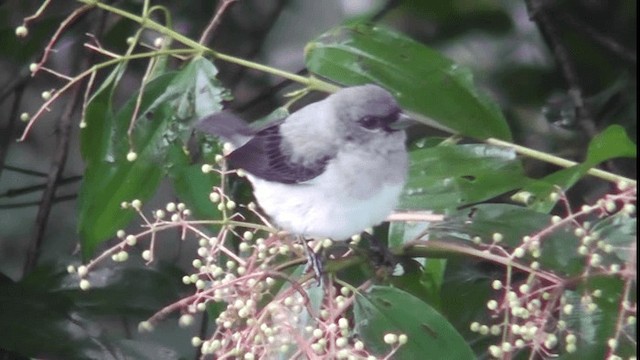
(354, 192)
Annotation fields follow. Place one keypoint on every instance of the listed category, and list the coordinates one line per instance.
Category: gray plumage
(330, 169)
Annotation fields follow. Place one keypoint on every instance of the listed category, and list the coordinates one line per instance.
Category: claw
(314, 261)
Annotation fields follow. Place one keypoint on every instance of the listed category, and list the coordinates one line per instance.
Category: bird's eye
(370, 122)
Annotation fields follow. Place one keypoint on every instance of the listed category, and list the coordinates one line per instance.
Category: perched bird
(330, 169)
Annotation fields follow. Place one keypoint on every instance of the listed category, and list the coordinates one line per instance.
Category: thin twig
(605, 41)
(215, 21)
(62, 147)
(63, 26)
(538, 13)
(29, 189)
(55, 171)
(7, 131)
(20, 80)
(551, 159)
(54, 200)
(24, 171)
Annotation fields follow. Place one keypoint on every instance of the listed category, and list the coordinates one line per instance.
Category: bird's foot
(314, 261)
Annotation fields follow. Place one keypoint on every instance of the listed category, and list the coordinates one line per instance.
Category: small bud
(22, 31)
(390, 338)
(206, 168)
(629, 209)
(136, 204)
(497, 237)
(24, 117)
(214, 197)
(519, 252)
(131, 240)
(145, 326)
(196, 341)
(158, 42)
(85, 284)
(227, 148)
(231, 205)
(122, 256)
(495, 351)
(185, 320)
(132, 156)
(46, 95)
(82, 270)
(496, 284)
(586, 209)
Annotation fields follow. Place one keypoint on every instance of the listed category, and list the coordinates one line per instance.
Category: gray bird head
(366, 109)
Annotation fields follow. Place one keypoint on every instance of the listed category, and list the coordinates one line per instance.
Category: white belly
(319, 210)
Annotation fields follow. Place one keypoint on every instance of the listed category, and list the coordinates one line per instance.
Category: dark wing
(225, 125)
(264, 158)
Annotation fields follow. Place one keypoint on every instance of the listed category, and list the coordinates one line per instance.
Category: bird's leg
(313, 260)
(386, 258)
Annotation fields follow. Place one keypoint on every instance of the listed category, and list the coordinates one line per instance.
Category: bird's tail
(226, 126)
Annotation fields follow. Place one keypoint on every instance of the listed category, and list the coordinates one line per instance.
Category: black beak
(403, 122)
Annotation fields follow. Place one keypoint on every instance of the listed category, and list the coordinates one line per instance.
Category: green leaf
(422, 278)
(423, 81)
(192, 185)
(95, 137)
(464, 297)
(559, 248)
(47, 316)
(385, 310)
(109, 178)
(170, 104)
(449, 176)
(612, 143)
(594, 327)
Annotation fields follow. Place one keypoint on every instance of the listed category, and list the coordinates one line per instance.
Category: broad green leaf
(109, 178)
(47, 316)
(621, 232)
(559, 248)
(464, 295)
(423, 81)
(130, 291)
(422, 278)
(170, 104)
(594, 327)
(384, 310)
(612, 143)
(198, 92)
(192, 185)
(96, 136)
(449, 176)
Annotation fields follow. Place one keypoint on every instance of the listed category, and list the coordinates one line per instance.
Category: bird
(328, 170)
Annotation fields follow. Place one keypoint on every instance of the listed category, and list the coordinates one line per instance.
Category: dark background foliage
(561, 72)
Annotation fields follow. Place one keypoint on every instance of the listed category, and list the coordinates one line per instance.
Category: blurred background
(587, 46)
